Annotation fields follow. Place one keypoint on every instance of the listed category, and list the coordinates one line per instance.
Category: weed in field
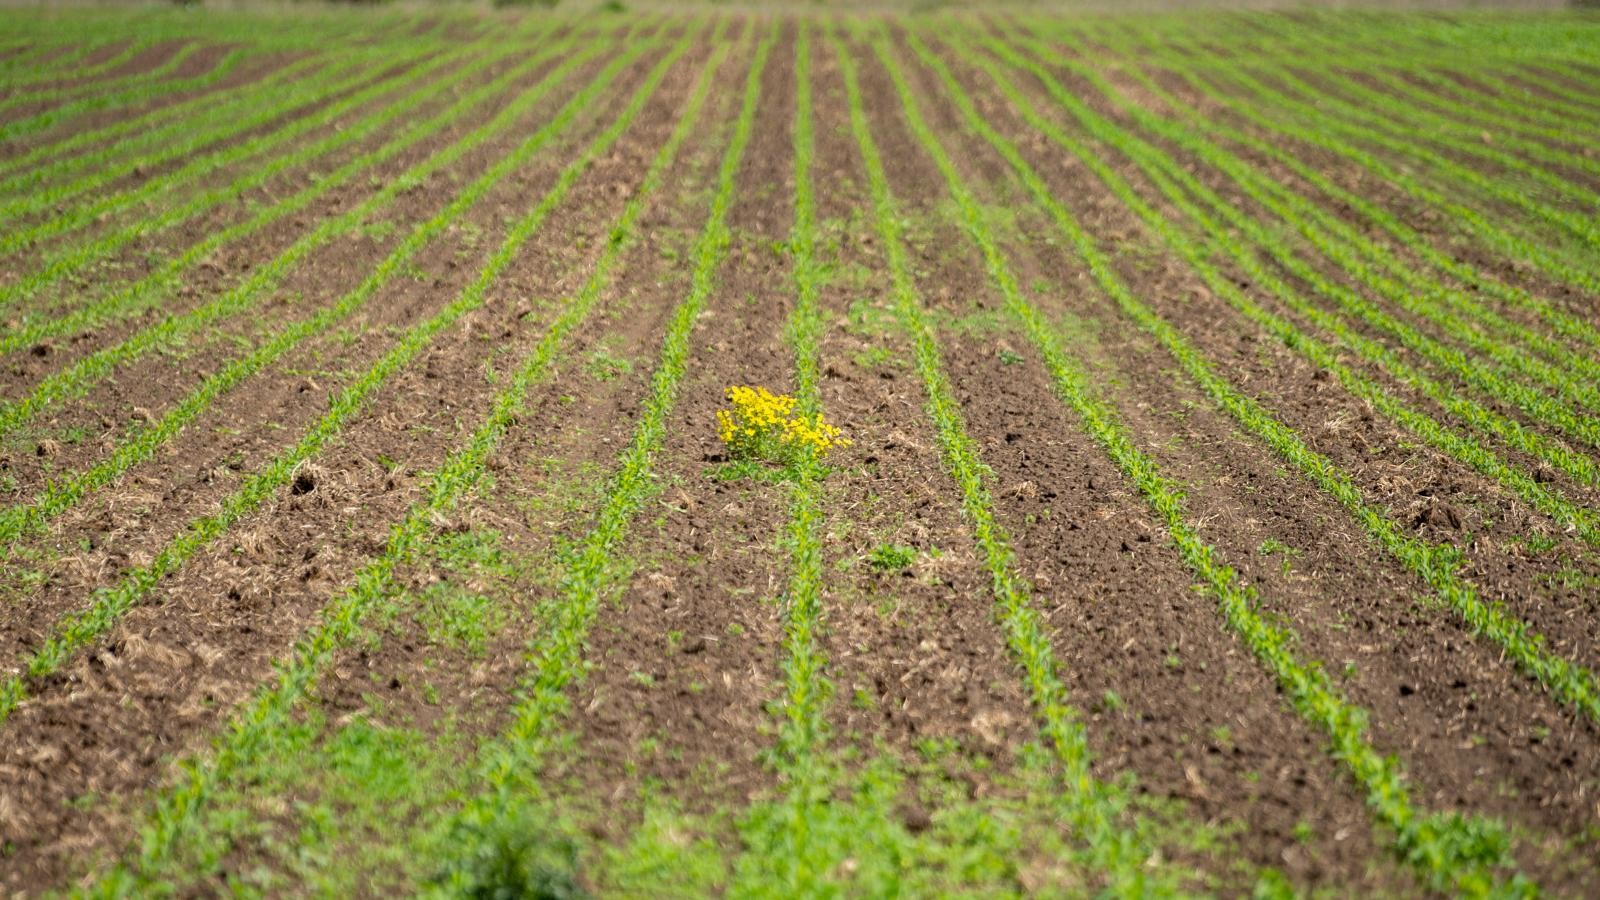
(764, 426)
(891, 557)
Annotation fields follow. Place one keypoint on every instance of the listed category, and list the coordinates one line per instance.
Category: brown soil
(1525, 757)
(1126, 622)
(216, 627)
(680, 702)
(154, 381)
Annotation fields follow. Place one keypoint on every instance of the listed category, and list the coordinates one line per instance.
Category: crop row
(506, 775)
(1450, 851)
(81, 628)
(1245, 96)
(252, 731)
(1094, 807)
(139, 444)
(1537, 405)
(121, 302)
(1435, 565)
(74, 256)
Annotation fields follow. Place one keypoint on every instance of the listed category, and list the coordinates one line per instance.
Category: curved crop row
(74, 256)
(78, 378)
(150, 291)
(61, 68)
(1493, 233)
(32, 124)
(1435, 564)
(1491, 382)
(80, 629)
(1449, 852)
(1575, 374)
(1465, 447)
(1471, 220)
(47, 187)
(1093, 807)
(509, 765)
(147, 128)
(1330, 110)
(1489, 93)
(251, 730)
(72, 92)
(1560, 321)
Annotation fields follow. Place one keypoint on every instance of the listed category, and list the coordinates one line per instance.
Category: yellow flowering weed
(761, 425)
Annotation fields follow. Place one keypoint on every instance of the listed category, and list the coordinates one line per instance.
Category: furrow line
(1447, 850)
(1465, 447)
(48, 187)
(509, 766)
(154, 288)
(154, 122)
(1534, 403)
(76, 380)
(80, 629)
(75, 256)
(38, 122)
(249, 731)
(1435, 564)
(1576, 373)
(1092, 809)
(74, 92)
(1563, 323)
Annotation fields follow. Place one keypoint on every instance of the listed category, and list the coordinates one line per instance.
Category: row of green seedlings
(81, 37)
(80, 629)
(1574, 328)
(1571, 683)
(1451, 853)
(42, 63)
(1095, 811)
(1486, 84)
(262, 103)
(1573, 373)
(26, 125)
(1487, 53)
(509, 766)
(803, 730)
(1436, 565)
(122, 301)
(1329, 110)
(85, 95)
(59, 69)
(79, 89)
(252, 733)
(182, 135)
(1464, 447)
(1492, 382)
(1576, 382)
(779, 845)
(149, 127)
(1467, 119)
(1455, 127)
(76, 254)
(36, 59)
(1474, 125)
(1252, 101)
(64, 492)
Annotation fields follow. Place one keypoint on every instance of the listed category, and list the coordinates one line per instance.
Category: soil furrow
(216, 626)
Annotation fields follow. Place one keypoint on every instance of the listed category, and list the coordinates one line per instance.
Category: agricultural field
(462, 451)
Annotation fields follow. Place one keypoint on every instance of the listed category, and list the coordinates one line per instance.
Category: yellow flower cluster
(763, 425)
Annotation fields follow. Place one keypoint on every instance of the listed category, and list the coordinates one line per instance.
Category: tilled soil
(221, 622)
(680, 698)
